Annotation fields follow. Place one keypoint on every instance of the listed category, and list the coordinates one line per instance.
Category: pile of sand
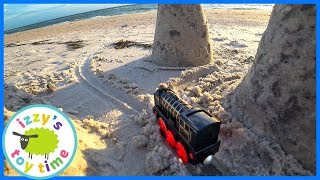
(242, 151)
(160, 160)
(277, 98)
(17, 98)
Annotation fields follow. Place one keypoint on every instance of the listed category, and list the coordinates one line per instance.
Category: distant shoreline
(126, 9)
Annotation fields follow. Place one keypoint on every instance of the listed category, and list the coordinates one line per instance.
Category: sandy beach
(108, 92)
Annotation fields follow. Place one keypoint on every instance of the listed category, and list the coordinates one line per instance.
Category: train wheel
(162, 125)
(182, 153)
(170, 139)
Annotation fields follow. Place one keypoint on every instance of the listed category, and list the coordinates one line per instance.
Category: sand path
(92, 89)
(124, 158)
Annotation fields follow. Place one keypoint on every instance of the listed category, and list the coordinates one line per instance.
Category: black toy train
(193, 133)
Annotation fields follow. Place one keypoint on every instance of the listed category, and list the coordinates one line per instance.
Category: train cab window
(184, 130)
(166, 106)
(171, 109)
(188, 130)
(162, 102)
(175, 113)
(174, 109)
(170, 106)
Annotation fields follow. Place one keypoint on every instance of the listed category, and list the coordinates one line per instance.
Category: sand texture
(181, 36)
(100, 72)
(276, 99)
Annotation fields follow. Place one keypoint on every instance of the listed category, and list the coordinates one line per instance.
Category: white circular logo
(39, 141)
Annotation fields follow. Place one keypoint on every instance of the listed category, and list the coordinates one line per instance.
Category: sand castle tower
(277, 97)
(181, 36)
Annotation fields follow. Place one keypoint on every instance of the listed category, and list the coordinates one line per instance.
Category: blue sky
(17, 15)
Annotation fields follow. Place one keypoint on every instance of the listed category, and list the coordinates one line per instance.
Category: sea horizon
(122, 9)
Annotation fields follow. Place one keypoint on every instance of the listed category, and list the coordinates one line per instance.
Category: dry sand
(108, 92)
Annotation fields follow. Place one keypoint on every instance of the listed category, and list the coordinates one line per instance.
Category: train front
(205, 131)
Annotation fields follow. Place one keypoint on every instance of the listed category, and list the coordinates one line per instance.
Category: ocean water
(239, 6)
(126, 9)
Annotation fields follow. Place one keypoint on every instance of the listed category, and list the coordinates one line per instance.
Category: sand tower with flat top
(181, 36)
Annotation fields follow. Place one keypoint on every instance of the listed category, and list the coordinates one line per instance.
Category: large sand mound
(276, 99)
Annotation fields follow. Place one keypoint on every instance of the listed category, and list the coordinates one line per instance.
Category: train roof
(199, 119)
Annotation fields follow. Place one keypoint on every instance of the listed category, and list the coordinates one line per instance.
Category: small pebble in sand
(114, 140)
(51, 87)
(73, 112)
(125, 25)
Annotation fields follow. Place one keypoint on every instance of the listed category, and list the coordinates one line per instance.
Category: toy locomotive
(193, 133)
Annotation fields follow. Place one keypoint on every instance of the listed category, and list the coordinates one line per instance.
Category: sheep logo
(38, 141)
